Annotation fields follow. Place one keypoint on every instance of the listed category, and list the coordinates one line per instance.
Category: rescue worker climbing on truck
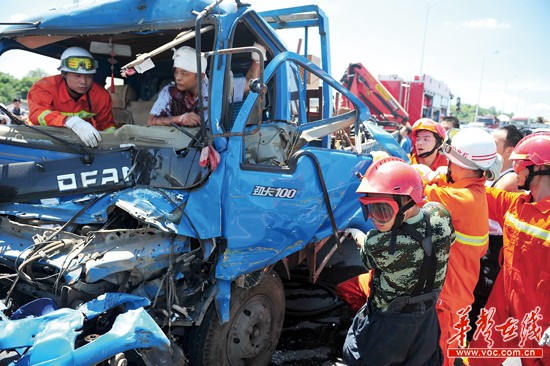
(408, 252)
(72, 99)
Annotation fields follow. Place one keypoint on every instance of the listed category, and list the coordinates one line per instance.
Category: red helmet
(533, 149)
(429, 125)
(393, 176)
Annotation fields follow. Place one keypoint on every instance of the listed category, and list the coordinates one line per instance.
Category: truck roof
(119, 19)
(112, 16)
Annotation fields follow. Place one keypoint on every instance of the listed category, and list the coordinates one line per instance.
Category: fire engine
(394, 101)
(382, 105)
(423, 97)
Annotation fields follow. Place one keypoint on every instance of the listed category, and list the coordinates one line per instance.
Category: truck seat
(122, 97)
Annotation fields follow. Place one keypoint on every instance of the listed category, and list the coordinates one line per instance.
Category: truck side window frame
(285, 90)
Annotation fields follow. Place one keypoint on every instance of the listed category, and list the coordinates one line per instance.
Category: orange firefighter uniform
(522, 288)
(50, 104)
(355, 291)
(440, 160)
(467, 203)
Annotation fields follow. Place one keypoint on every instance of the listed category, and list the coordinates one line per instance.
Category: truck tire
(251, 334)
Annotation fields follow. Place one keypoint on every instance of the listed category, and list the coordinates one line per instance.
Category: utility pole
(429, 5)
(506, 91)
(481, 83)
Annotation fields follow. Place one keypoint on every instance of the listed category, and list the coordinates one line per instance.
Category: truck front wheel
(252, 332)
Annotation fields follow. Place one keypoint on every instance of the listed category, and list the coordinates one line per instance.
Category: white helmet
(78, 61)
(472, 148)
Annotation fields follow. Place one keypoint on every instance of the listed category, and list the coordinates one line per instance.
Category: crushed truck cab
(206, 244)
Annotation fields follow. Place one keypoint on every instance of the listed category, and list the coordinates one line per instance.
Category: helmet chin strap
(428, 153)
(448, 174)
(532, 174)
(435, 148)
(399, 218)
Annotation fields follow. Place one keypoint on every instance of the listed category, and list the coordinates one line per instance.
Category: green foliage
(11, 87)
(468, 111)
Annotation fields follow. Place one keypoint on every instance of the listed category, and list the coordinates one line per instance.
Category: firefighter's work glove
(356, 235)
(378, 154)
(87, 133)
(545, 339)
(255, 56)
(428, 176)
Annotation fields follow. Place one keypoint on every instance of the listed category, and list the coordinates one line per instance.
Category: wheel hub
(250, 332)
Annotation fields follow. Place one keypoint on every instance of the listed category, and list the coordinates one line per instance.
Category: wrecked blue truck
(205, 246)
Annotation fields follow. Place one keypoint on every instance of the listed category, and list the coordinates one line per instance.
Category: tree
(467, 112)
(8, 87)
(12, 87)
(36, 74)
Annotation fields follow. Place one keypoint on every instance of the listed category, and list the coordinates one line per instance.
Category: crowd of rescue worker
(458, 254)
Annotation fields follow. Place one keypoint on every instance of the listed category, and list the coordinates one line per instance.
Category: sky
(492, 51)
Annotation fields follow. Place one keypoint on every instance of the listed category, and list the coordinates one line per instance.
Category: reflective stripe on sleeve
(82, 114)
(526, 228)
(475, 241)
(42, 117)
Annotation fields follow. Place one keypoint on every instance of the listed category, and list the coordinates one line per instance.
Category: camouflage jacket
(396, 275)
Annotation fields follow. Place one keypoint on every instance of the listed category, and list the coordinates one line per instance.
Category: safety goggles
(381, 210)
(75, 62)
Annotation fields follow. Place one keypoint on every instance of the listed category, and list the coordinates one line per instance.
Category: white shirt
(163, 100)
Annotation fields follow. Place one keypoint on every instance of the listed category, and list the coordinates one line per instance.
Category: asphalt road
(309, 341)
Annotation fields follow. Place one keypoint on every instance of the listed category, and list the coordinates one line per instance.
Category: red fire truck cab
(423, 97)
